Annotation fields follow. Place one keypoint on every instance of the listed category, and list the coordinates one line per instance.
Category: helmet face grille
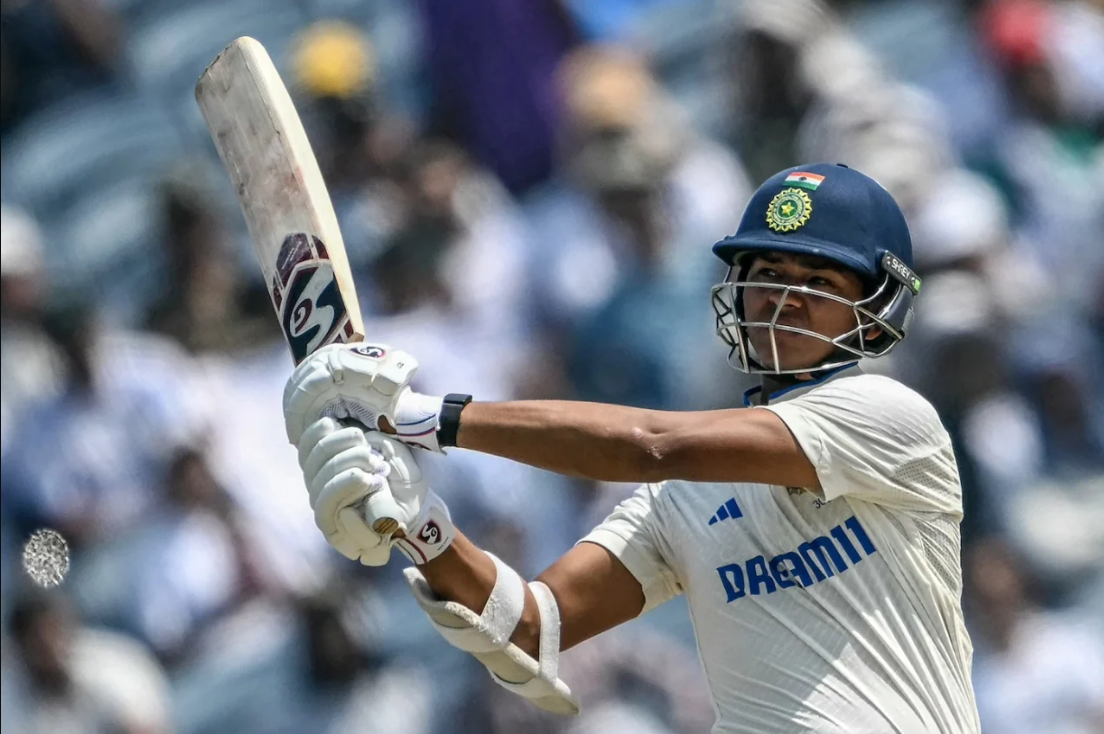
(732, 326)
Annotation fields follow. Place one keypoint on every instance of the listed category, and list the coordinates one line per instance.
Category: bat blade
(291, 220)
(287, 208)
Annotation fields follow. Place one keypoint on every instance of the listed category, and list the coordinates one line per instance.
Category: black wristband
(448, 425)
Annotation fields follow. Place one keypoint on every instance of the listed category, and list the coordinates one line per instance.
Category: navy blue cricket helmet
(834, 212)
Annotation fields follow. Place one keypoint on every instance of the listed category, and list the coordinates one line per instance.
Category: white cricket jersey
(836, 613)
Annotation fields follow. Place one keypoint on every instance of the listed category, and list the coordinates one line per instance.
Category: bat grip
(379, 510)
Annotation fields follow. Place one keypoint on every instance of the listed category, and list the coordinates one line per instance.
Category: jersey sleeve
(632, 534)
(873, 439)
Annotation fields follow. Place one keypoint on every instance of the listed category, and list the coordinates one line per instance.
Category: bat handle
(379, 510)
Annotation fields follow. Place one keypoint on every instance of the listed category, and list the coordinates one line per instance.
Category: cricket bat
(287, 208)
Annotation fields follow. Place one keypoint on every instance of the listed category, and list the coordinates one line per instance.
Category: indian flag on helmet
(804, 180)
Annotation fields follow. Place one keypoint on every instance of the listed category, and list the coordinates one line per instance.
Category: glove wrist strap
(416, 419)
(431, 532)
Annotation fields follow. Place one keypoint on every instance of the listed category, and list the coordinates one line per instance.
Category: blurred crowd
(529, 193)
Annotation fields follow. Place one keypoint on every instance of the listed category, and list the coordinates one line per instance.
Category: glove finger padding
(332, 445)
(353, 538)
(361, 457)
(404, 471)
(314, 434)
(344, 490)
(368, 546)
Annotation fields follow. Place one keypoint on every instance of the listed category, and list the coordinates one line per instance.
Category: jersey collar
(800, 388)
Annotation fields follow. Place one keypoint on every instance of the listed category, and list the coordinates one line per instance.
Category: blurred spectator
(613, 20)
(629, 678)
(451, 281)
(237, 357)
(962, 224)
(29, 360)
(618, 718)
(770, 95)
(358, 141)
(1059, 379)
(493, 81)
(1050, 152)
(8, 89)
(451, 278)
(803, 89)
(311, 667)
(86, 461)
(9, 718)
(336, 71)
(71, 679)
(1058, 525)
(1034, 670)
(206, 306)
(188, 562)
(621, 261)
(1007, 366)
(1051, 54)
(1078, 54)
(892, 132)
(52, 48)
(237, 399)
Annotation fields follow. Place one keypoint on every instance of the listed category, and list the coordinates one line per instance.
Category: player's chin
(795, 351)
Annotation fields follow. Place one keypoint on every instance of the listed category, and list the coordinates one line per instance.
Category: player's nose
(789, 300)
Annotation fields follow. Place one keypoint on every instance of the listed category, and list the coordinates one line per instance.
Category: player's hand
(368, 383)
(347, 471)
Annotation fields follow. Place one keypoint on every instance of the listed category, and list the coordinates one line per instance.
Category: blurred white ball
(46, 558)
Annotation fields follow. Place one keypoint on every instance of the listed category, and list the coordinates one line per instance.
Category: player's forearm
(466, 575)
(591, 440)
(620, 444)
(594, 591)
(463, 574)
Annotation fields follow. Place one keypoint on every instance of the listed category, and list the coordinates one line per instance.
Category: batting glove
(361, 382)
(353, 478)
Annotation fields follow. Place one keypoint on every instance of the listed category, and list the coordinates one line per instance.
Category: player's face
(804, 311)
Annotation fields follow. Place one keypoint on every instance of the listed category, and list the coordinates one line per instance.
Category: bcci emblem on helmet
(790, 209)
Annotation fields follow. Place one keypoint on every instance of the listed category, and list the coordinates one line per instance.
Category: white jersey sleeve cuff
(659, 585)
(812, 443)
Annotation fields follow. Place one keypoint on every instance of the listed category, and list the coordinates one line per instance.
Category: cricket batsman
(815, 531)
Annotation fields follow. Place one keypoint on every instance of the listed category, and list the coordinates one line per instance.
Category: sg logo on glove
(430, 534)
(371, 351)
